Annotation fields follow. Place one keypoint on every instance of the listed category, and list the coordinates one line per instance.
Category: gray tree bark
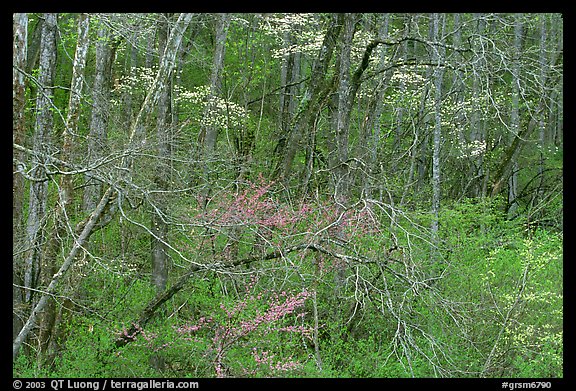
(371, 126)
(36, 263)
(211, 131)
(65, 190)
(76, 87)
(311, 102)
(41, 143)
(100, 112)
(345, 96)
(515, 117)
(20, 45)
(438, 57)
(159, 228)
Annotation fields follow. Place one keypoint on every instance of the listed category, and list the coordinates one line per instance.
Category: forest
(294, 195)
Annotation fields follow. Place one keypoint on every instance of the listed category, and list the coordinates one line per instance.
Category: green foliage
(535, 339)
(485, 257)
(511, 285)
(483, 299)
(359, 358)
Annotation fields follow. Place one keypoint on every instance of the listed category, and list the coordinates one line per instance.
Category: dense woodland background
(295, 195)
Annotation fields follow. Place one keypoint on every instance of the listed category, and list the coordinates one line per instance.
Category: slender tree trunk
(65, 190)
(458, 91)
(399, 112)
(211, 131)
(20, 45)
(161, 178)
(76, 87)
(371, 125)
(557, 126)
(422, 131)
(286, 72)
(457, 80)
(41, 143)
(100, 113)
(542, 59)
(515, 117)
(313, 99)
(37, 266)
(416, 131)
(438, 75)
(477, 125)
(289, 74)
(343, 112)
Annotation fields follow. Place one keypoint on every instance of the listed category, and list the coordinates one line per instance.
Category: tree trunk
(345, 96)
(557, 121)
(477, 124)
(515, 118)
(79, 244)
(100, 112)
(161, 178)
(311, 102)
(288, 71)
(20, 45)
(211, 131)
(438, 58)
(289, 74)
(74, 105)
(37, 266)
(371, 125)
(422, 129)
(41, 143)
(33, 55)
(62, 213)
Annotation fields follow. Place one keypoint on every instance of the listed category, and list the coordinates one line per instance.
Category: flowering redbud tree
(248, 222)
(243, 337)
(234, 326)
